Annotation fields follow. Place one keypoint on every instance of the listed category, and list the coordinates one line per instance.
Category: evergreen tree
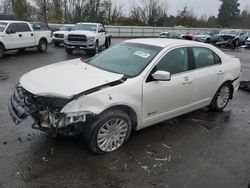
(229, 11)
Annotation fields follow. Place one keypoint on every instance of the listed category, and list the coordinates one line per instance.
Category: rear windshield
(129, 59)
(2, 26)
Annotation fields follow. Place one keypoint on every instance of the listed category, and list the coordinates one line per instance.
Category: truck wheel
(69, 51)
(108, 131)
(1, 51)
(221, 98)
(107, 43)
(96, 49)
(42, 46)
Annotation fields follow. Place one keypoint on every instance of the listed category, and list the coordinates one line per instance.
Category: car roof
(88, 23)
(163, 42)
(13, 21)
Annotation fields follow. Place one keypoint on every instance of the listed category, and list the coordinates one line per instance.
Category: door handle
(220, 72)
(20, 35)
(186, 81)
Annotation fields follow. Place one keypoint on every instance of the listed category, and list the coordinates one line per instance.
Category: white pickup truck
(87, 36)
(20, 35)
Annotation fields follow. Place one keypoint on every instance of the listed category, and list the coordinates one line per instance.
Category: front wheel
(108, 132)
(96, 49)
(42, 46)
(221, 98)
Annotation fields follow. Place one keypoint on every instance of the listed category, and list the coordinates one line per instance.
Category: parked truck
(90, 37)
(20, 35)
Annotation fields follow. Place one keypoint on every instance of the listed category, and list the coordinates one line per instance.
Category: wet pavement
(200, 149)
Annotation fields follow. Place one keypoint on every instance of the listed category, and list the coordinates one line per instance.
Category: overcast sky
(199, 7)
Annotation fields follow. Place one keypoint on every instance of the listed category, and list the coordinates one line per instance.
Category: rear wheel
(108, 132)
(1, 51)
(42, 46)
(221, 97)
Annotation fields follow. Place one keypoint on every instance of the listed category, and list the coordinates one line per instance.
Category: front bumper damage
(226, 40)
(45, 112)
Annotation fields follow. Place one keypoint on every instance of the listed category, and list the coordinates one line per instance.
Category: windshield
(88, 27)
(65, 28)
(204, 33)
(2, 26)
(126, 58)
(230, 32)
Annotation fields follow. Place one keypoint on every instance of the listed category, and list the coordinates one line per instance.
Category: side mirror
(101, 31)
(161, 75)
(69, 29)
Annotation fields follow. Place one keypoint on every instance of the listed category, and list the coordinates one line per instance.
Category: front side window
(129, 59)
(176, 61)
(205, 57)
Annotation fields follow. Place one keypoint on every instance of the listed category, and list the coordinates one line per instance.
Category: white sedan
(133, 85)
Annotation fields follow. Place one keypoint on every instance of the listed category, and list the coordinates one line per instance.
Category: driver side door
(12, 38)
(166, 99)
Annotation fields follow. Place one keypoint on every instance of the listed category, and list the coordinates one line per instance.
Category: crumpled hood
(66, 79)
(87, 33)
(227, 35)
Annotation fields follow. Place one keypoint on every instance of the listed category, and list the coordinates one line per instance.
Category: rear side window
(175, 61)
(205, 57)
(22, 27)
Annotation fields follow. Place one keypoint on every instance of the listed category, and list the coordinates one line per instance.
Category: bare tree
(148, 12)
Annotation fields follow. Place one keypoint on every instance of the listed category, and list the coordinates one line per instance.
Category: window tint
(22, 27)
(11, 28)
(175, 61)
(205, 57)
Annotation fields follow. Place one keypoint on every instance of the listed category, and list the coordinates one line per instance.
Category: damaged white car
(131, 86)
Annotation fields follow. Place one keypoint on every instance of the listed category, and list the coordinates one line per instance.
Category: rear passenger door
(208, 75)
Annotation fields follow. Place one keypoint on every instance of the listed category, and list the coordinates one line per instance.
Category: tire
(107, 43)
(1, 51)
(98, 136)
(236, 43)
(69, 51)
(96, 50)
(221, 97)
(207, 41)
(42, 46)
